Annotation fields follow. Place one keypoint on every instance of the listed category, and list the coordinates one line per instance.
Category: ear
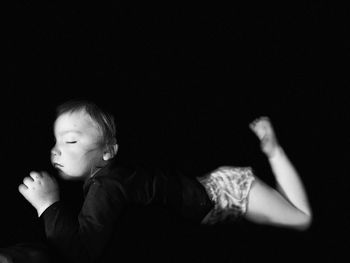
(110, 152)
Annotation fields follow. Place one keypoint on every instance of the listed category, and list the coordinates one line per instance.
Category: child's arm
(79, 239)
(287, 207)
(84, 239)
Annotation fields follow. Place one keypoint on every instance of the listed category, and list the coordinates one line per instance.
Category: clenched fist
(40, 189)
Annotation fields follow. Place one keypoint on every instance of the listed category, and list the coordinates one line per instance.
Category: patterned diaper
(228, 187)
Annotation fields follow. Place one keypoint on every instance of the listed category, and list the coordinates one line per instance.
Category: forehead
(79, 122)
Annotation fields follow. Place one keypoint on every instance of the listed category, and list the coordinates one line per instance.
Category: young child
(85, 149)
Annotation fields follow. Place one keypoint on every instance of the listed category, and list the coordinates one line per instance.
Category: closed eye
(72, 142)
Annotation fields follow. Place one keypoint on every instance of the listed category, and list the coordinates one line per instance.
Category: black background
(184, 82)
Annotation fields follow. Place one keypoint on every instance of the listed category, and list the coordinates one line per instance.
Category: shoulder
(105, 188)
(109, 179)
(114, 172)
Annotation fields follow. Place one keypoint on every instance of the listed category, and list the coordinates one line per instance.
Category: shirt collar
(101, 172)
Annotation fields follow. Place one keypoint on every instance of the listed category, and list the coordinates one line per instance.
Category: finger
(27, 181)
(35, 175)
(22, 188)
(255, 129)
(253, 123)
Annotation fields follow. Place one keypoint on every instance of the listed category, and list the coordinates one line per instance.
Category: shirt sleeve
(83, 239)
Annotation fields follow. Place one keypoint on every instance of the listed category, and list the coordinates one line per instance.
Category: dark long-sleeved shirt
(107, 195)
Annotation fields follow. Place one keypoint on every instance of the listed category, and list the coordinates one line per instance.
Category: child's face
(78, 151)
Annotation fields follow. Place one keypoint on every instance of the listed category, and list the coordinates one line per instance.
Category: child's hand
(263, 129)
(40, 189)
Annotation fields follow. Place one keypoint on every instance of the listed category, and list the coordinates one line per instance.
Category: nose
(55, 151)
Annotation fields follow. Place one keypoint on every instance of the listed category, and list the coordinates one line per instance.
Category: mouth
(57, 165)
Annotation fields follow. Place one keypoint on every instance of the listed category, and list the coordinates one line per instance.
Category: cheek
(81, 157)
(93, 155)
(73, 159)
(76, 165)
(72, 155)
(87, 157)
